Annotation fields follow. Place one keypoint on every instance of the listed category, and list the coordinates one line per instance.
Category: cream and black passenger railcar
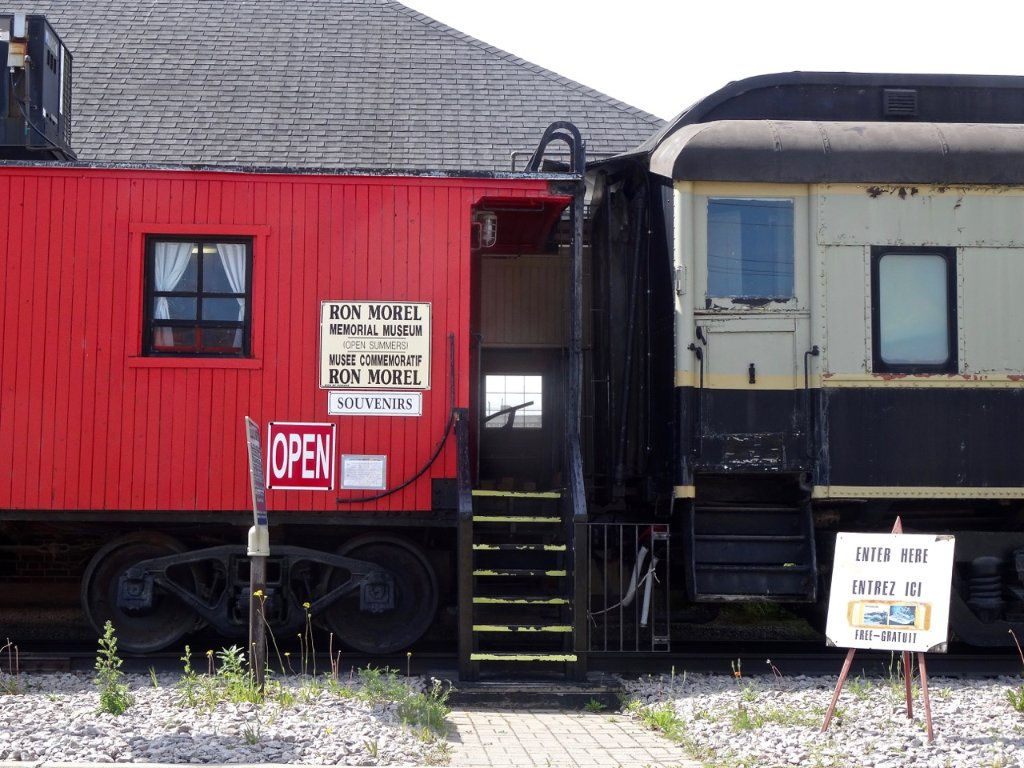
(847, 341)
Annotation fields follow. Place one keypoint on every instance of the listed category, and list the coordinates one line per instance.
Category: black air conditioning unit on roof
(35, 90)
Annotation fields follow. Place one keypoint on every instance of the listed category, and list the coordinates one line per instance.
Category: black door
(521, 418)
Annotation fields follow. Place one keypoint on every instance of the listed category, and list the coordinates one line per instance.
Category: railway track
(721, 658)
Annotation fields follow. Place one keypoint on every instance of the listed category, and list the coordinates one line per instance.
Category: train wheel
(415, 597)
(157, 628)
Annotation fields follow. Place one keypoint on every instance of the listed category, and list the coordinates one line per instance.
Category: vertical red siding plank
(188, 201)
(81, 362)
(262, 327)
(211, 213)
(304, 369)
(98, 443)
(10, 187)
(225, 212)
(229, 214)
(418, 286)
(397, 429)
(119, 411)
(34, 372)
(135, 436)
(282, 299)
(19, 308)
(49, 323)
(63, 344)
(216, 471)
(375, 289)
(155, 419)
(175, 200)
(201, 439)
(27, 400)
(423, 433)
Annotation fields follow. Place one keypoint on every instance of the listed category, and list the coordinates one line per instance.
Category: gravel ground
(56, 717)
(775, 721)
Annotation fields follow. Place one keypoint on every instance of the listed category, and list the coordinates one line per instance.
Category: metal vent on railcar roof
(899, 102)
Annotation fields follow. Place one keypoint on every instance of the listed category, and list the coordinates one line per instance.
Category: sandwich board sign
(890, 591)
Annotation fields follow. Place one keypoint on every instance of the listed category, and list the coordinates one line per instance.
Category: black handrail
(464, 545)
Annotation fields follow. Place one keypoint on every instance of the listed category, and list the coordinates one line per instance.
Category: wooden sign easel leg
(924, 696)
(839, 688)
(908, 676)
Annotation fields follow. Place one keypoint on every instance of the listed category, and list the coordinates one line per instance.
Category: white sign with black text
(368, 473)
(375, 403)
(374, 345)
(890, 591)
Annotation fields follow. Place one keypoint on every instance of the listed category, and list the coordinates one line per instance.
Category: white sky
(663, 55)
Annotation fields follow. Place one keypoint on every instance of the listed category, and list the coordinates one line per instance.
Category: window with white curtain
(197, 297)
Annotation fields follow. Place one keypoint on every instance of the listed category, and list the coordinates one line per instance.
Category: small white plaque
(364, 472)
(375, 403)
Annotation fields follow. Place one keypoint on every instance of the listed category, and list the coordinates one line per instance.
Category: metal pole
(257, 627)
(258, 551)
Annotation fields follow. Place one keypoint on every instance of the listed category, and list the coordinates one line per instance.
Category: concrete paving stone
(496, 738)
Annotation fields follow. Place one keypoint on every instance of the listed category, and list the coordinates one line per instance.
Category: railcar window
(197, 297)
(750, 248)
(914, 315)
(505, 392)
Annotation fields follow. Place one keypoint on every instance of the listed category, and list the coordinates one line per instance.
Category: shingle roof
(310, 83)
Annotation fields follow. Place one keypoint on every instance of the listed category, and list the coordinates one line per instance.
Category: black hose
(440, 443)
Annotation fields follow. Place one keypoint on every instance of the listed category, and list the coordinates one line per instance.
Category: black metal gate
(628, 587)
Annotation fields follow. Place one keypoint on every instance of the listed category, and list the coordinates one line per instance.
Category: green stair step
(520, 601)
(521, 628)
(520, 547)
(514, 519)
(518, 494)
(522, 657)
(516, 572)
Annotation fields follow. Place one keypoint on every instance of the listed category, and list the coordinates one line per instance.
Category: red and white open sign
(300, 456)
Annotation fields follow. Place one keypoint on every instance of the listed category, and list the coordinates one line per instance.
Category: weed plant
(425, 712)
(659, 717)
(1016, 695)
(115, 697)
(227, 679)
(594, 705)
(10, 680)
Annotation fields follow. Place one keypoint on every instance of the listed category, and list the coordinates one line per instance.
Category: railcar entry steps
(760, 549)
(518, 561)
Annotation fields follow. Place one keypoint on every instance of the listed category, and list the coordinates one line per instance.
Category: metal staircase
(522, 590)
(761, 548)
(521, 599)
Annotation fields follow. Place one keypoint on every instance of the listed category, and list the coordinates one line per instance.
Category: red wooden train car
(146, 312)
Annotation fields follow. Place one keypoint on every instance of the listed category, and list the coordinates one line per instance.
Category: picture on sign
(865, 614)
(300, 456)
(374, 345)
(890, 591)
(367, 473)
(374, 403)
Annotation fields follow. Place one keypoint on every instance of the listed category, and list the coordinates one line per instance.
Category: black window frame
(150, 296)
(952, 362)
